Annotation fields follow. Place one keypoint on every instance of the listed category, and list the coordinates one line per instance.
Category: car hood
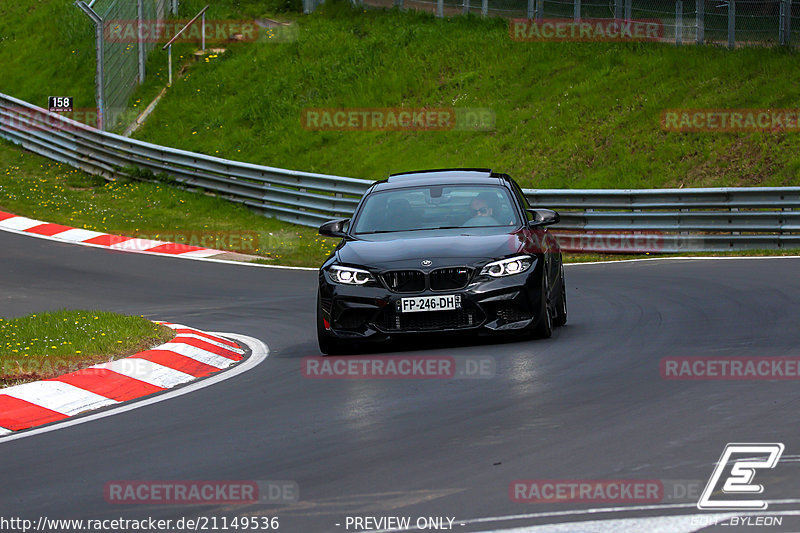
(409, 249)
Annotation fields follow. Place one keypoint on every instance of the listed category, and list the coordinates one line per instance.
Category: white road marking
(147, 371)
(4, 432)
(259, 350)
(57, 396)
(597, 511)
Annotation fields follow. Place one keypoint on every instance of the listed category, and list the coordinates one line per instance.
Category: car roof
(444, 176)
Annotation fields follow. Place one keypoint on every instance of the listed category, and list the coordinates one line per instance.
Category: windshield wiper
(410, 229)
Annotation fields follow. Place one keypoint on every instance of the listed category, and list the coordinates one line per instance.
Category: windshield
(436, 207)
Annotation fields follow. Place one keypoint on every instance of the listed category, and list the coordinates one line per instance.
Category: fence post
(174, 7)
(439, 8)
(539, 10)
(203, 32)
(731, 23)
(466, 7)
(530, 9)
(485, 8)
(576, 10)
(618, 10)
(398, 4)
(679, 22)
(100, 81)
(700, 22)
(784, 22)
(142, 53)
(627, 10)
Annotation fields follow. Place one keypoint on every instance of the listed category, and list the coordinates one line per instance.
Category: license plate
(445, 302)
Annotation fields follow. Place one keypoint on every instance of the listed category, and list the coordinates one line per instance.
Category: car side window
(523, 201)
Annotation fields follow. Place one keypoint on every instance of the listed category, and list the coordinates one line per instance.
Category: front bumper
(488, 305)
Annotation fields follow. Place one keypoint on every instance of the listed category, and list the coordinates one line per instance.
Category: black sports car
(440, 251)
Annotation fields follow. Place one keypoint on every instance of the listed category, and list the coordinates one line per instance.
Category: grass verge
(46, 345)
(39, 188)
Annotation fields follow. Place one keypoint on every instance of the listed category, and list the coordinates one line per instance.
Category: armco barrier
(655, 220)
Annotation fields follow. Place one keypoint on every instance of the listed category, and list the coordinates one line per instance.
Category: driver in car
(483, 208)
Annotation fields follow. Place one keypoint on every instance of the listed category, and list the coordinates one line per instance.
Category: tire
(543, 329)
(328, 345)
(561, 304)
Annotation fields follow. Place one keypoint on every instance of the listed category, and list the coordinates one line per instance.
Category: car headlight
(507, 267)
(349, 276)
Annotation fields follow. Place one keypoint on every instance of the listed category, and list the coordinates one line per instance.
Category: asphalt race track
(587, 404)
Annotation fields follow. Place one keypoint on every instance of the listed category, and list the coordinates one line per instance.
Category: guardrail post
(731, 23)
(203, 32)
(700, 22)
(576, 10)
(679, 22)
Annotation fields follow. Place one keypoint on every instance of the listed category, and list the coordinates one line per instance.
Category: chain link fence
(726, 22)
(121, 53)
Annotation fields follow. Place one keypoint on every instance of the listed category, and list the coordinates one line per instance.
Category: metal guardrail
(641, 220)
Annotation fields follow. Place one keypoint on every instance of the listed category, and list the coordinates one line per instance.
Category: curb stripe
(178, 362)
(116, 242)
(135, 244)
(19, 223)
(107, 240)
(206, 346)
(16, 414)
(170, 248)
(181, 336)
(48, 229)
(183, 359)
(59, 397)
(147, 371)
(109, 384)
(217, 361)
(180, 328)
(78, 235)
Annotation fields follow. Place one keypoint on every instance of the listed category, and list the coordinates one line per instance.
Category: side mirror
(543, 217)
(334, 228)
